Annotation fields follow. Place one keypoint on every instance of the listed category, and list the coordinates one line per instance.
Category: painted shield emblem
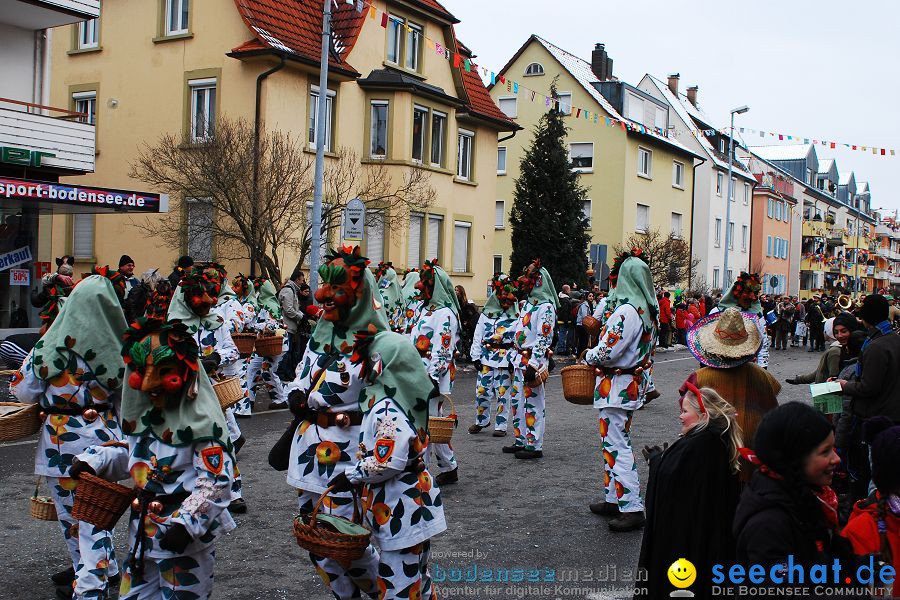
(383, 450)
(213, 459)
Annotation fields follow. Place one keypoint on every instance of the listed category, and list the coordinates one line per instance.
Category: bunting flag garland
(466, 64)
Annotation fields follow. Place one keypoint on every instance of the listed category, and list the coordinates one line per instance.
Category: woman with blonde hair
(692, 494)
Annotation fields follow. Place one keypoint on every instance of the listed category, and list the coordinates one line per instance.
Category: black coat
(691, 498)
(877, 392)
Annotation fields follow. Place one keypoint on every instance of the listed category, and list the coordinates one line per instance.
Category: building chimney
(692, 94)
(598, 62)
(673, 83)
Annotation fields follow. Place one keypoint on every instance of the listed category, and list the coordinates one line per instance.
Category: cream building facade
(169, 66)
(637, 181)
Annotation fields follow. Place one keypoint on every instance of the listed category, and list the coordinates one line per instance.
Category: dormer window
(534, 69)
(722, 145)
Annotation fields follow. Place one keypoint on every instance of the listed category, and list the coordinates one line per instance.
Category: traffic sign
(354, 220)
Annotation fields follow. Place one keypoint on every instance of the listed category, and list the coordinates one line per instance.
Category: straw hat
(725, 340)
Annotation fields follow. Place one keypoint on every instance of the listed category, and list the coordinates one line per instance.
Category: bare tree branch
(671, 262)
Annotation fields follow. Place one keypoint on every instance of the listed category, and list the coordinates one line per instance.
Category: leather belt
(506, 346)
(330, 419)
(75, 410)
(637, 370)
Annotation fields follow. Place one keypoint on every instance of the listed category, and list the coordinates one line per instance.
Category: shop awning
(63, 198)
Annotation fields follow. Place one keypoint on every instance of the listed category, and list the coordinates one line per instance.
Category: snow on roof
(782, 151)
(581, 70)
(844, 178)
(825, 165)
(686, 112)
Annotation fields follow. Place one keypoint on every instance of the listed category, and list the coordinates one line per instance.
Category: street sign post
(354, 220)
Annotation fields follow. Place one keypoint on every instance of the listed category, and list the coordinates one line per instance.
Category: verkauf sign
(15, 257)
(28, 191)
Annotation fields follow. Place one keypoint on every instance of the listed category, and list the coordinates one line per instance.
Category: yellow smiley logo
(682, 573)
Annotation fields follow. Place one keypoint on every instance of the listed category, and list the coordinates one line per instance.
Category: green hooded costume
(544, 291)
(730, 299)
(90, 325)
(191, 419)
(634, 286)
(408, 290)
(391, 292)
(179, 310)
(268, 299)
(226, 294)
(444, 294)
(492, 308)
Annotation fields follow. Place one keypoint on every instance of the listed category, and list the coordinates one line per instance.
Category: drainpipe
(256, 127)
(509, 137)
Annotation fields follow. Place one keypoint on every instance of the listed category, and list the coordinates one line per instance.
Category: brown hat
(726, 339)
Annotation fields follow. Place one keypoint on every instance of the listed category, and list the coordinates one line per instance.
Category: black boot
(529, 454)
(605, 509)
(512, 449)
(627, 522)
(64, 577)
(448, 477)
(473, 428)
(237, 507)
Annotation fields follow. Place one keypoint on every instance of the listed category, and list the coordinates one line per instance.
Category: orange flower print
(612, 339)
(382, 513)
(605, 386)
(609, 458)
(328, 453)
(526, 319)
(627, 427)
(423, 343)
(545, 329)
(605, 478)
(604, 427)
(530, 419)
(632, 390)
(445, 340)
(424, 484)
(620, 490)
(409, 313)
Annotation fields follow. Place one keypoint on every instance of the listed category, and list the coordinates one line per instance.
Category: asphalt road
(504, 514)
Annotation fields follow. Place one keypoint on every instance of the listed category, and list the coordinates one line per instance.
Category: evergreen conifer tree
(547, 216)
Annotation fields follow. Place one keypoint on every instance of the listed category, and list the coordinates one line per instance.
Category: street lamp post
(321, 116)
(725, 279)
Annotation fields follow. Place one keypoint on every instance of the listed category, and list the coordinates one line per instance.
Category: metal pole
(725, 279)
(321, 116)
(856, 272)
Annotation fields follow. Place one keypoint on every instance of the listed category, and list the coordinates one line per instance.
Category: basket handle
(582, 355)
(357, 517)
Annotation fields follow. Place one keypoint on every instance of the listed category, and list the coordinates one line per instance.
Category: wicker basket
(440, 429)
(228, 391)
(591, 325)
(100, 502)
(578, 383)
(245, 342)
(21, 423)
(540, 378)
(270, 345)
(325, 540)
(43, 509)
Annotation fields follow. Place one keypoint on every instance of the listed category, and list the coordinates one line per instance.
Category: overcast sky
(823, 70)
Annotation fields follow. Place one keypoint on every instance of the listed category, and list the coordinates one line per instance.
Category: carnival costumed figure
(530, 359)
(623, 358)
(193, 305)
(744, 296)
(179, 456)
(392, 296)
(434, 333)
(75, 373)
(262, 371)
(410, 296)
(491, 344)
(245, 299)
(325, 399)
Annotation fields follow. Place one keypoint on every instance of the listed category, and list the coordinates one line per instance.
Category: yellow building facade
(637, 181)
(158, 63)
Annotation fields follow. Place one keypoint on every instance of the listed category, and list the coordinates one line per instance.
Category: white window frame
(86, 102)
(176, 8)
(439, 246)
(500, 215)
(777, 210)
(464, 161)
(395, 26)
(412, 50)
(720, 181)
(642, 154)
(418, 109)
(200, 92)
(745, 235)
(677, 232)
(79, 245)
(718, 233)
(375, 225)
(313, 123)
(715, 278)
(436, 114)
(746, 194)
(730, 235)
(678, 174)
(417, 251)
(582, 169)
(498, 263)
(733, 188)
(88, 34)
(637, 224)
(564, 107)
(372, 132)
(537, 72)
(515, 106)
(770, 208)
(502, 150)
(458, 225)
(587, 209)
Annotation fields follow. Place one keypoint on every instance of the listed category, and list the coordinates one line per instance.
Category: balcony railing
(65, 142)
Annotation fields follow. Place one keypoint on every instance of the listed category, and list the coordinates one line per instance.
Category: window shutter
(413, 257)
(461, 246)
(83, 235)
(434, 237)
(500, 214)
(375, 238)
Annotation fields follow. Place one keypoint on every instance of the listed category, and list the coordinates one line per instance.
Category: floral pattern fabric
(534, 334)
(493, 339)
(189, 576)
(620, 477)
(435, 334)
(625, 344)
(490, 383)
(261, 370)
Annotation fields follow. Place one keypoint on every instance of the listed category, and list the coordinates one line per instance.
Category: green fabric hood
(396, 371)
(444, 295)
(544, 291)
(180, 311)
(268, 299)
(730, 300)
(492, 308)
(634, 286)
(390, 288)
(368, 312)
(408, 290)
(90, 325)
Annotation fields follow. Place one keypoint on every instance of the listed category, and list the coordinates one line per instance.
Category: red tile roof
(295, 26)
(437, 7)
(480, 101)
